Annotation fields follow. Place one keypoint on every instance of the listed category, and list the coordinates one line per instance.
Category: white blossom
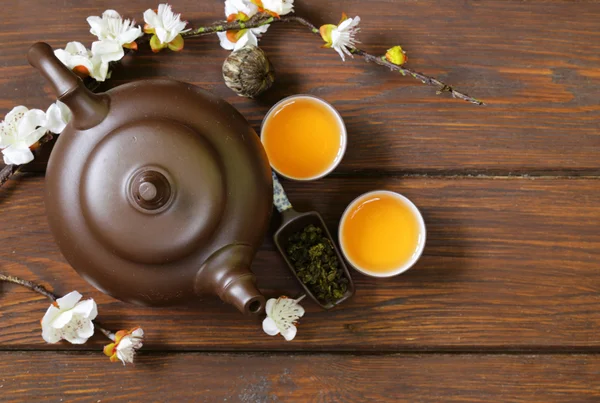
(165, 24)
(279, 7)
(58, 116)
(247, 37)
(282, 316)
(342, 36)
(126, 344)
(70, 319)
(113, 34)
(76, 57)
(235, 7)
(242, 10)
(23, 128)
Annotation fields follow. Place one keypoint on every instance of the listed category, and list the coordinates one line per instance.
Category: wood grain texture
(535, 63)
(509, 264)
(85, 377)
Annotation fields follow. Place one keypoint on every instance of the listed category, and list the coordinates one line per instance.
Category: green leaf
(313, 256)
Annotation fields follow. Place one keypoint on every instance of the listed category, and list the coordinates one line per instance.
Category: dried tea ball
(248, 72)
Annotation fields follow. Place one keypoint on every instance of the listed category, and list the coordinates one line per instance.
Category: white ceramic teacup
(343, 134)
(419, 247)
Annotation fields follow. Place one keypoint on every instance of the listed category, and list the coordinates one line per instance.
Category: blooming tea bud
(248, 72)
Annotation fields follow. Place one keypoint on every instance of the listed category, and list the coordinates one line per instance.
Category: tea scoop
(293, 222)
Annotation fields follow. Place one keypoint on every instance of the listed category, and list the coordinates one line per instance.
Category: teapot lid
(157, 203)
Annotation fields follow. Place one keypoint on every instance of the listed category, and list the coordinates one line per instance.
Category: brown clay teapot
(157, 191)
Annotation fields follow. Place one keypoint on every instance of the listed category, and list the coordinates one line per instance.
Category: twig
(264, 19)
(256, 21)
(40, 289)
(6, 173)
(110, 335)
(442, 87)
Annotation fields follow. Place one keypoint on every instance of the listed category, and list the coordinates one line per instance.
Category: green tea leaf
(316, 263)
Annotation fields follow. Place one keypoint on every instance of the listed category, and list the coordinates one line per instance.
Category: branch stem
(425, 79)
(6, 173)
(256, 21)
(40, 289)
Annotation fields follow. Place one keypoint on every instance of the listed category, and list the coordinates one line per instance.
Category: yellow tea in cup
(382, 234)
(304, 137)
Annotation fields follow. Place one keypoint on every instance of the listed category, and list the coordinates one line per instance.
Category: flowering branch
(70, 319)
(262, 19)
(246, 21)
(40, 289)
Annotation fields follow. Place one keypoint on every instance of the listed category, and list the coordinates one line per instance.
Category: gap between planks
(473, 174)
(591, 174)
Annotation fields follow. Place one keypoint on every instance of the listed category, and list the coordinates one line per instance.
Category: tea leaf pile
(317, 265)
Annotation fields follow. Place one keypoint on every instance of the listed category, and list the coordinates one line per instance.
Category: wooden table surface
(504, 304)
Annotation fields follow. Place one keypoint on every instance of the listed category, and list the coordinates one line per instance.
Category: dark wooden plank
(535, 63)
(87, 377)
(509, 264)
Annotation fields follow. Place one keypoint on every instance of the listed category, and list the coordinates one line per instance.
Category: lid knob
(149, 190)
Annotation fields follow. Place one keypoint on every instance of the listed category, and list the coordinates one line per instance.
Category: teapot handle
(41, 56)
(88, 109)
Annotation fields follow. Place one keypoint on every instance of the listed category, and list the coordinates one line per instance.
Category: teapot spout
(88, 108)
(227, 273)
(243, 294)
